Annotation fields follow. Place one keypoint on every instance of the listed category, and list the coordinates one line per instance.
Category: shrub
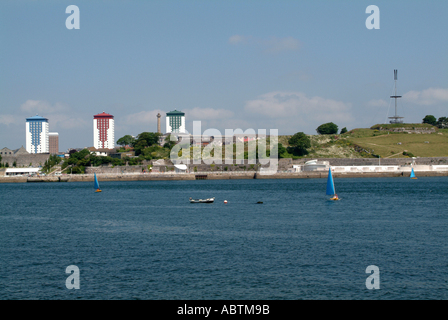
(327, 128)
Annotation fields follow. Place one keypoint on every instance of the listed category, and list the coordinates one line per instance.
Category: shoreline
(216, 176)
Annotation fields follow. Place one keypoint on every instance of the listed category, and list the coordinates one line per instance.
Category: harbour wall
(375, 161)
(216, 176)
(26, 160)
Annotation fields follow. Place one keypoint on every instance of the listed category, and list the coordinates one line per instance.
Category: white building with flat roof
(21, 171)
(175, 122)
(103, 131)
(37, 139)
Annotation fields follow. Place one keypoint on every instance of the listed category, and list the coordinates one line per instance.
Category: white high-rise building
(37, 139)
(175, 122)
(103, 131)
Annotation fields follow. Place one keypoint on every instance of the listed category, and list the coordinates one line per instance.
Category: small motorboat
(209, 200)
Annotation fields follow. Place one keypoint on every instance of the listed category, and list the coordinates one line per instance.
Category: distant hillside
(369, 143)
(330, 146)
(389, 144)
(386, 126)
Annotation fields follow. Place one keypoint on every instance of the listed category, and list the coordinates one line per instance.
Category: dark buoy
(260, 202)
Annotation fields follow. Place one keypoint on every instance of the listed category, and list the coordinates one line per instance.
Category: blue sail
(412, 173)
(330, 184)
(97, 185)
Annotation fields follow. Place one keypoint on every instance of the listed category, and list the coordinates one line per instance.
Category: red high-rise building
(103, 131)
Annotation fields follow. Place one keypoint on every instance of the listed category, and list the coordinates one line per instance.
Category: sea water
(144, 240)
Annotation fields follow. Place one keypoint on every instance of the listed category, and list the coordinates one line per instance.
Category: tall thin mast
(396, 118)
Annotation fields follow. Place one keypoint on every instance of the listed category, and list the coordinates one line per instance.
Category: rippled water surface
(144, 240)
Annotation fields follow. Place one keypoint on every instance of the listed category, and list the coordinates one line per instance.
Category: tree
(298, 144)
(126, 140)
(343, 130)
(430, 119)
(327, 128)
(281, 151)
(168, 143)
(145, 139)
(154, 152)
(442, 122)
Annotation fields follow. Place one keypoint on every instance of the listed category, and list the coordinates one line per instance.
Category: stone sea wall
(216, 176)
(24, 160)
(375, 161)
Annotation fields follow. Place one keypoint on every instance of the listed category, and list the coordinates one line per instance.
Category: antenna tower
(396, 118)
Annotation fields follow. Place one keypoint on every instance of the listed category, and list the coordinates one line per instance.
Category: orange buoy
(225, 201)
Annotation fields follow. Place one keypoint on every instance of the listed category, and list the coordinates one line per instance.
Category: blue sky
(286, 65)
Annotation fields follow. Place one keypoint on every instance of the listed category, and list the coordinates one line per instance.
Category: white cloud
(7, 119)
(60, 115)
(64, 121)
(237, 39)
(294, 111)
(207, 114)
(43, 107)
(145, 117)
(427, 97)
(277, 45)
(294, 104)
(272, 45)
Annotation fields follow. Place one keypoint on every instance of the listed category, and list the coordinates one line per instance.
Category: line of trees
(51, 162)
(81, 159)
(146, 147)
(442, 122)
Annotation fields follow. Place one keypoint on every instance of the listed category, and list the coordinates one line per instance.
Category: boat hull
(210, 200)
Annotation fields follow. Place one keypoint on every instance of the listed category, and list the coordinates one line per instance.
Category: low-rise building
(21, 171)
(101, 151)
(22, 158)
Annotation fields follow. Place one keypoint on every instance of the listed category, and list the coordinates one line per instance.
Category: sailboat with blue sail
(413, 174)
(330, 187)
(97, 185)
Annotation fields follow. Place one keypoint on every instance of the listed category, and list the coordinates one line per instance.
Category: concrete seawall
(217, 176)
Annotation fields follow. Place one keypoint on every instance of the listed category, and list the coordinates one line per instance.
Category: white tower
(175, 122)
(37, 139)
(103, 131)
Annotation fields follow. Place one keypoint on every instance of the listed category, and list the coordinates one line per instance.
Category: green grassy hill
(389, 145)
(368, 143)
